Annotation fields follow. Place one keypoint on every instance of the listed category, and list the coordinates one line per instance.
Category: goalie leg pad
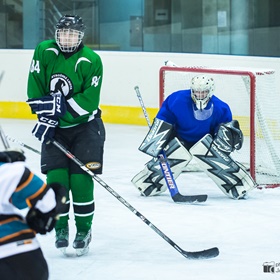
(229, 176)
(150, 181)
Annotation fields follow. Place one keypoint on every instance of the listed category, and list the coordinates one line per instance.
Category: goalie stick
(165, 168)
(204, 254)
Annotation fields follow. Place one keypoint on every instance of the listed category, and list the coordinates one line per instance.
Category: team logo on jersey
(61, 83)
(95, 81)
(93, 165)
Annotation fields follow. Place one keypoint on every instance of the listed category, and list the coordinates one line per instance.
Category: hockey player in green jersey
(64, 86)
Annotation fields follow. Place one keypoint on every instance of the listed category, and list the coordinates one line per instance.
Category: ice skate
(81, 242)
(62, 236)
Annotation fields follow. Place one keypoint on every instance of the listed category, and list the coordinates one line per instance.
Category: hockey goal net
(254, 101)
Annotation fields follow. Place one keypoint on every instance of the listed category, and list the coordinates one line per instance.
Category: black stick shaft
(123, 201)
(209, 253)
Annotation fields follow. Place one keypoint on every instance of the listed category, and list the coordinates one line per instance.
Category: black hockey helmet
(71, 22)
(69, 33)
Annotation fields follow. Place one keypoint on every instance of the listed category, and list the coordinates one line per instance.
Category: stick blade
(189, 198)
(200, 255)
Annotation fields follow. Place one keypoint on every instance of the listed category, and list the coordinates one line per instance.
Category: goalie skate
(81, 242)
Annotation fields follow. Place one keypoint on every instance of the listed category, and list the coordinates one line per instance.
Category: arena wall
(122, 72)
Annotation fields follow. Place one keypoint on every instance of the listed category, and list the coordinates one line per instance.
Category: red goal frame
(250, 74)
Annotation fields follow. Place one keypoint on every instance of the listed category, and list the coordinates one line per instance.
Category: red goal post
(254, 101)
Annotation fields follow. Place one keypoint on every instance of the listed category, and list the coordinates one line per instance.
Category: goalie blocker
(157, 138)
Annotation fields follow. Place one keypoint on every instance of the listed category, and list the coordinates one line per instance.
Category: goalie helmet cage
(254, 101)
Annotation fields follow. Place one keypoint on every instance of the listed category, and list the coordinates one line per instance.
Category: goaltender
(194, 123)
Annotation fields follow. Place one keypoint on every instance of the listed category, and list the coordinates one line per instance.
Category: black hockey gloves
(50, 105)
(45, 222)
(48, 109)
(12, 155)
(44, 129)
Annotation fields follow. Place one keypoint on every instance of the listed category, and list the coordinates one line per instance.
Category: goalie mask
(202, 89)
(69, 33)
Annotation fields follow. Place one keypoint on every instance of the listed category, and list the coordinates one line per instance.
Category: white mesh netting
(254, 101)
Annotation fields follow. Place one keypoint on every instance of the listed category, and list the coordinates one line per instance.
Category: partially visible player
(64, 86)
(20, 254)
(194, 123)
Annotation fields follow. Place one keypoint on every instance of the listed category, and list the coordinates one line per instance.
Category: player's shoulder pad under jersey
(157, 138)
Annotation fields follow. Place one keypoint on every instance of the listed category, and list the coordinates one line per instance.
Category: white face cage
(202, 88)
(68, 40)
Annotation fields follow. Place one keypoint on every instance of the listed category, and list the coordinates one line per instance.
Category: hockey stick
(3, 138)
(22, 144)
(205, 254)
(165, 167)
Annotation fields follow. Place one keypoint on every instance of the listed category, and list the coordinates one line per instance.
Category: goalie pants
(29, 265)
(86, 142)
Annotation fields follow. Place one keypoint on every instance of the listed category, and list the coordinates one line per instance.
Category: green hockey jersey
(78, 77)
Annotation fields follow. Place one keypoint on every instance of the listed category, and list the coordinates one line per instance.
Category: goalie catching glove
(50, 105)
(45, 222)
(229, 137)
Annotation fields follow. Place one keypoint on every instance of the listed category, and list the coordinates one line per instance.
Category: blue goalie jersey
(191, 124)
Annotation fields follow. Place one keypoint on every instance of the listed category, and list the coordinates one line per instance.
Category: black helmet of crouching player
(69, 33)
(12, 155)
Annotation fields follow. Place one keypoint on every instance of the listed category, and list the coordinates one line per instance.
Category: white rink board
(123, 71)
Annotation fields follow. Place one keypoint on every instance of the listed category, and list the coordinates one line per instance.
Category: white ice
(247, 232)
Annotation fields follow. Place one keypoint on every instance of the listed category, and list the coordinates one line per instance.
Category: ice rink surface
(247, 232)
